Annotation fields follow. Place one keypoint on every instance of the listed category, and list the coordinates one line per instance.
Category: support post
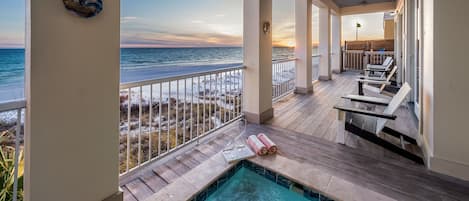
(303, 46)
(340, 127)
(336, 61)
(325, 71)
(72, 114)
(257, 42)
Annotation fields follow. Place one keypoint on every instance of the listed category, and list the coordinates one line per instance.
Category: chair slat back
(388, 78)
(394, 104)
(387, 62)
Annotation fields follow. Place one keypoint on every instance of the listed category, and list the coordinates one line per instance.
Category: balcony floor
(304, 129)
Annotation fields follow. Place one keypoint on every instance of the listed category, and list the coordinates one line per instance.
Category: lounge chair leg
(340, 138)
(360, 89)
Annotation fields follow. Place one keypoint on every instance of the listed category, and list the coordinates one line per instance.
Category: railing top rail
(379, 52)
(12, 105)
(283, 60)
(355, 51)
(178, 77)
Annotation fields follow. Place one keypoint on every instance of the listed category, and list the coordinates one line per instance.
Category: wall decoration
(266, 27)
(84, 8)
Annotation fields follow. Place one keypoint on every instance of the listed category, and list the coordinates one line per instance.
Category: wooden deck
(304, 128)
(314, 115)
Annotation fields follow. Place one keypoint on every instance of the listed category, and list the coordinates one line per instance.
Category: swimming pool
(247, 181)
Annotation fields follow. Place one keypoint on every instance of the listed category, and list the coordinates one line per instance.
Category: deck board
(139, 189)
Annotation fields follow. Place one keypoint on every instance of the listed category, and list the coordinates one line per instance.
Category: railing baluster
(198, 106)
(169, 119)
(216, 99)
(184, 118)
(160, 115)
(192, 106)
(150, 122)
(129, 110)
(177, 113)
(210, 104)
(139, 146)
(17, 152)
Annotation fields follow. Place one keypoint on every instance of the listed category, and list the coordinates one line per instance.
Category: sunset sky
(194, 23)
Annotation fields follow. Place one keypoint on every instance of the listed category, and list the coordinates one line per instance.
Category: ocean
(137, 64)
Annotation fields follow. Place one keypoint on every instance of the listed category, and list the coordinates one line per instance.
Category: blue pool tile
(249, 165)
(283, 181)
(270, 175)
(259, 170)
(223, 179)
(297, 188)
(239, 165)
(211, 189)
(230, 172)
(324, 198)
(202, 196)
(310, 194)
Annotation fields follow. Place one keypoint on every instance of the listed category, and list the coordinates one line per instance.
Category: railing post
(257, 40)
(366, 59)
(325, 71)
(303, 49)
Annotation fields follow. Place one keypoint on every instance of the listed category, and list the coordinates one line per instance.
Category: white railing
(160, 116)
(376, 57)
(283, 78)
(353, 59)
(11, 145)
(358, 59)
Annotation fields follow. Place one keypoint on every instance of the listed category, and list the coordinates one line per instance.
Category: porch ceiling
(348, 3)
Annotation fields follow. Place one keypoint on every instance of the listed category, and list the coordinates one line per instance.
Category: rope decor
(84, 8)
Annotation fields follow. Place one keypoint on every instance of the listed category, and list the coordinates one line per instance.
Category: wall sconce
(84, 8)
(266, 27)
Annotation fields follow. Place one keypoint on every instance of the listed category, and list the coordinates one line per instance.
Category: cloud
(128, 19)
(198, 21)
(160, 39)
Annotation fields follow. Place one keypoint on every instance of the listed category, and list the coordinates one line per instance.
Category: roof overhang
(353, 7)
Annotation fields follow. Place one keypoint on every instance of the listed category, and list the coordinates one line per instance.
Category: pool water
(247, 185)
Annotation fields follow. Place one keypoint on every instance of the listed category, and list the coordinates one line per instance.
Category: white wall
(72, 89)
(451, 88)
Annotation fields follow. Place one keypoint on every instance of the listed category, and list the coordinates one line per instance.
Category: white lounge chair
(379, 70)
(375, 84)
(387, 63)
(370, 125)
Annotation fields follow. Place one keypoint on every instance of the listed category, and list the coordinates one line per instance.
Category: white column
(325, 71)
(303, 46)
(336, 63)
(72, 115)
(258, 60)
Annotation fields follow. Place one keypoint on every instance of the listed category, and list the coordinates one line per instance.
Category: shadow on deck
(304, 128)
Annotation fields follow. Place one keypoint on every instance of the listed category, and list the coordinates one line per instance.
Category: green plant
(7, 172)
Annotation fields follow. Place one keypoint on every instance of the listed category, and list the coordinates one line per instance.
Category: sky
(191, 23)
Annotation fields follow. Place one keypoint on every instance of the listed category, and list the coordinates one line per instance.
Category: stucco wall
(72, 89)
(451, 70)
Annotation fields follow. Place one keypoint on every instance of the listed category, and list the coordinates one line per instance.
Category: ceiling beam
(368, 8)
(328, 3)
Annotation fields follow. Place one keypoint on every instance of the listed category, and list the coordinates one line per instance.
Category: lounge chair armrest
(367, 99)
(375, 66)
(376, 70)
(371, 78)
(365, 112)
(373, 81)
